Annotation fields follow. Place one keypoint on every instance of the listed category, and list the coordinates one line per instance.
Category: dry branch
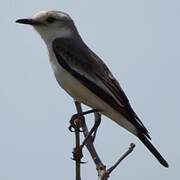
(103, 174)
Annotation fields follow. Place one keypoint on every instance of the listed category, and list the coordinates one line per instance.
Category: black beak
(28, 21)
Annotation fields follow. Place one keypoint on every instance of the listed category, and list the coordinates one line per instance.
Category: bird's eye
(50, 19)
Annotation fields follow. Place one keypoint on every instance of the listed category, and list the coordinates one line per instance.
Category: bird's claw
(76, 123)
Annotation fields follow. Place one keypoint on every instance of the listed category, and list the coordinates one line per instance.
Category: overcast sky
(139, 40)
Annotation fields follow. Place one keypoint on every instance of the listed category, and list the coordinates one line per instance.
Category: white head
(51, 25)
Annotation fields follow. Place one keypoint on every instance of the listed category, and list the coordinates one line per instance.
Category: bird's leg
(74, 124)
(77, 154)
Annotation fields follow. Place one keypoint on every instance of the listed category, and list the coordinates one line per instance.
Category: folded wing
(87, 67)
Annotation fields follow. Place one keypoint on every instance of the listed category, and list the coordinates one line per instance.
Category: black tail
(153, 150)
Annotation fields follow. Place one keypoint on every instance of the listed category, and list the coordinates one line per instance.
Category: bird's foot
(76, 122)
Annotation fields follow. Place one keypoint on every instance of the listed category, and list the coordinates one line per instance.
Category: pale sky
(139, 40)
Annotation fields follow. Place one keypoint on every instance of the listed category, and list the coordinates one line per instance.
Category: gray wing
(87, 67)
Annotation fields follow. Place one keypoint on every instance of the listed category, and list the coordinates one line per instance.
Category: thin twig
(77, 139)
(97, 118)
(130, 149)
(89, 144)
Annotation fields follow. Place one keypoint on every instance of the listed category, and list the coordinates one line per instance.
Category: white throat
(49, 36)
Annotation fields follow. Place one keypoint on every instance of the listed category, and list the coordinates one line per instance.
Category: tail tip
(165, 164)
(153, 150)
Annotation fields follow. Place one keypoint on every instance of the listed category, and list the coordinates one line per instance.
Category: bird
(84, 76)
